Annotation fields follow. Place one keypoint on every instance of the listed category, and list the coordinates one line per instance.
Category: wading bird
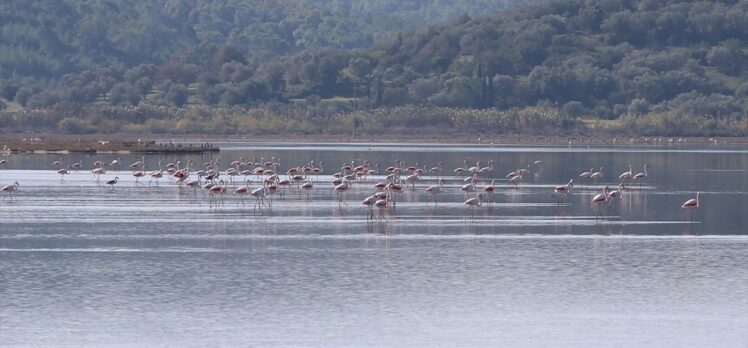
(112, 182)
(599, 199)
(691, 204)
(473, 202)
(9, 189)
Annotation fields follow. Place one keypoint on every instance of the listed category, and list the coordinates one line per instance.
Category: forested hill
(662, 61)
(44, 39)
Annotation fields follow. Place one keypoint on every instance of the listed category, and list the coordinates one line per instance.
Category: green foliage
(305, 64)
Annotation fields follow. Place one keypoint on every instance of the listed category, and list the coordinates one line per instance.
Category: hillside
(42, 40)
(652, 66)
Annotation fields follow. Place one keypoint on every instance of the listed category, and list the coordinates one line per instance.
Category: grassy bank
(406, 121)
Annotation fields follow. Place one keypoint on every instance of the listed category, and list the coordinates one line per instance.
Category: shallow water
(144, 265)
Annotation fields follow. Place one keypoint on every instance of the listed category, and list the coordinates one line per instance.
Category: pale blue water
(86, 266)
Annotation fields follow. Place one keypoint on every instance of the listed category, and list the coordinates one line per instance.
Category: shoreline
(165, 143)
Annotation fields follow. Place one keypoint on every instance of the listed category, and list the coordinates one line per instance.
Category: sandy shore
(200, 143)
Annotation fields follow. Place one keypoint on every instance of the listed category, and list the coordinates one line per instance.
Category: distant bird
(639, 177)
(340, 189)
(626, 175)
(614, 196)
(112, 182)
(138, 174)
(9, 189)
(369, 203)
(477, 201)
(562, 192)
(490, 189)
(597, 175)
(63, 172)
(691, 204)
(434, 190)
(586, 175)
(515, 180)
(601, 198)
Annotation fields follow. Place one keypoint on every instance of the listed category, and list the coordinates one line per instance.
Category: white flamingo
(369, 203)
(597, 175)
(639, 177)
(626, 175)
(434, 190)
(8, 190)
(476, 201)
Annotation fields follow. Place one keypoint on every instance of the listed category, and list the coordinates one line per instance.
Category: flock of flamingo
(397, 178)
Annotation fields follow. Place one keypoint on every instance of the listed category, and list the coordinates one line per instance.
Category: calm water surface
(82, 265)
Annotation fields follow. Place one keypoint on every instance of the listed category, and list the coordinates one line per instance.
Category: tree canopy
(609, 59)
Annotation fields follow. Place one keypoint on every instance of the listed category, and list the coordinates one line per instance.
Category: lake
(84, 264)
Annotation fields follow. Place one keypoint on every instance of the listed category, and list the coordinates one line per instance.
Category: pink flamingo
(691, 204)
(242, 191)
(599, 199)
(490, 189)
(434, 190)
(562, 192)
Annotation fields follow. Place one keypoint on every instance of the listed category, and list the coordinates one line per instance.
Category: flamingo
(369, 203)
(112, 182)
(138, 174)
(462, 169)
(381, 203)
(138, 164)
(434, 190)
(597, 175)
(490, 189)
(487, 170)
(9, 189)
(340, 189)
(412, 179)
(307, 186)
(691, 204)
(641, 176)
(156, 175)
(626, 175)
(586, 175)
(242, 191)
(259, 193)
(515, 180)
(562, 192)
(96, 173)
(616, 195)
(76, 166)
(63, 172)
(58, 163)
(599, 199)
(468, 188)
(473, 202)
(194, 184)
(393, 188)
(220, 189)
